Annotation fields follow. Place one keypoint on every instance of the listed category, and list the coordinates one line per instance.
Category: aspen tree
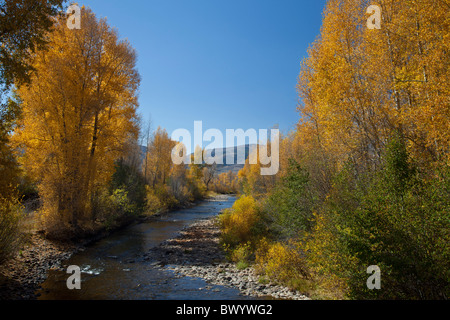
(78, 113)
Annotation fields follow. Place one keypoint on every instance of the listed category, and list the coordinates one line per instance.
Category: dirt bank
(22, 275)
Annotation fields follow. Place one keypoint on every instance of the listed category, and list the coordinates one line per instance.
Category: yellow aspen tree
(159, 157)
(78, 114)
(358, 85)
(410, 55)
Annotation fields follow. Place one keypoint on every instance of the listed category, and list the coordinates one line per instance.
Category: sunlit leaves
(78, 114)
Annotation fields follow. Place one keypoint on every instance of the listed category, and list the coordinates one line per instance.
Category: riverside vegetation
(71, 136)
(363, 180)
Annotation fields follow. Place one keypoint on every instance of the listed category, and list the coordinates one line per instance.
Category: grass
(242, 265)
(263, 280)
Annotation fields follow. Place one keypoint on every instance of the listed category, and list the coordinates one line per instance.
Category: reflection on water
(112, 270)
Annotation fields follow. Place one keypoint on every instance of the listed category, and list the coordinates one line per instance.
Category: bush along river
(175, 256)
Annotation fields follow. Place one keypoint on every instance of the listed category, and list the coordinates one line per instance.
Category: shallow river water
(110, 270)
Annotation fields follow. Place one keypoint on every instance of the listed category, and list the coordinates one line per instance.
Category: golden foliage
(359, 89)
(78, 113)
(226, 182)
(158, 162)
(10, 231)
(237, 223)
(281, 262)
(326, 261)
(358, 85)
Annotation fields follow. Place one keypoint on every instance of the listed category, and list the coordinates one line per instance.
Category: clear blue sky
(232, 64)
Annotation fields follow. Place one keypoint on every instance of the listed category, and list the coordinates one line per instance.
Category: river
(110, 270)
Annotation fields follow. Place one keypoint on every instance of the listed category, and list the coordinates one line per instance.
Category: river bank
(192, 252)
(21, 276)
(195, 252)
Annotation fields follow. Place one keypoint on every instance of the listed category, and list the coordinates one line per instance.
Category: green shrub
(289, 208)
(242, 265)
(242, 253)
(131, 181)
(396, 218)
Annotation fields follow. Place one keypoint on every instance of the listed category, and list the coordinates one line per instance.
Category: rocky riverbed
(21, 276)
(196, 253)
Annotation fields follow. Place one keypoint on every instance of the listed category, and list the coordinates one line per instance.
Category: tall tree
(158, 162)
(359, 88)
(359, 85)
(23, 30)
(78, 114)
(208, 174)
(146, 135)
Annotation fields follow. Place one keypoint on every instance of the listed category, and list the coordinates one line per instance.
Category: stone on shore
(196, 253)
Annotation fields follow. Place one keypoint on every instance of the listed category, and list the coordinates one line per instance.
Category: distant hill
(239, 154)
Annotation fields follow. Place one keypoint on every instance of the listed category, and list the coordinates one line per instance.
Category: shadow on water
(111, 269)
